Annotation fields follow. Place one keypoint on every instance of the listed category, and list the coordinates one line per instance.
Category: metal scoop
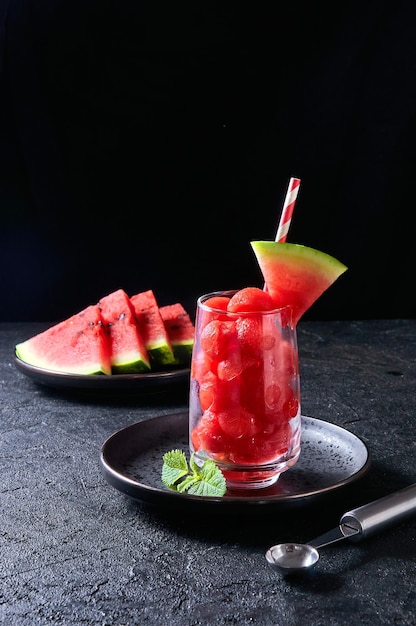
(354, 525)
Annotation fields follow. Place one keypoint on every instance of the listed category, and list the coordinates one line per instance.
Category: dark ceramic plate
(157, 381)
(131, 461)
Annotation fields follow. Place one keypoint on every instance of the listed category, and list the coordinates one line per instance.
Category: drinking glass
(244, 410)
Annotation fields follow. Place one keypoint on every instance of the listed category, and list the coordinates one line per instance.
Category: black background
(143, 145)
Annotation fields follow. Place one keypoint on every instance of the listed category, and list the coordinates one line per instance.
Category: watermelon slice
(78, 345)
(180, 330)
(152, 328)
(128, 351)
(294, 274)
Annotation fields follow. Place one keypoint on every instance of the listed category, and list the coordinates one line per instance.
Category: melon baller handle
(381, 513)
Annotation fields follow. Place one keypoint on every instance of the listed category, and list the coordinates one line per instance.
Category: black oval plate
(154, 381)
(131, 461)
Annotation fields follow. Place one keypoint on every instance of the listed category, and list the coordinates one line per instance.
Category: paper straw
(287, 211)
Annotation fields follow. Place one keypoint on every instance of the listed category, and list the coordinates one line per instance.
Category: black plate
(131, 461)
(157, 381)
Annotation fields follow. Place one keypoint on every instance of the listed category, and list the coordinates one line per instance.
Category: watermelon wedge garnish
(78, 345)
(296, 275)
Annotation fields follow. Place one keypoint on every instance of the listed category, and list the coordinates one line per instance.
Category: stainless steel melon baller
(354, 525)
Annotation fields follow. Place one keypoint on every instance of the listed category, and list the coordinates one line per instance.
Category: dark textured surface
(76, 551)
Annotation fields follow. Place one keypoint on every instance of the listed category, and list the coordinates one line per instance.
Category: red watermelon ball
(209, 436)
(236, 422)
(207, 390)
(201, 364)
(218, 302)
(215, 302)
(253, 339)
(250, 299)
(231, 366)
(218, 395)
(216, 337)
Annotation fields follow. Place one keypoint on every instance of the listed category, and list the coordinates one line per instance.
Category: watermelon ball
(215, 302)
(216, 337)
(253, 341)
(207, 390)
(230, 367)
(262, 448)
(209, 436)
(201, 364)
(218, 302)
(291, 407)
(273, 445)
(236, 422)
(245, 451)
(250, 299)
(218, 395)
(281, 403)
(273, 397)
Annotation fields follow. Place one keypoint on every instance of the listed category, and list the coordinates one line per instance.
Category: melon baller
(354, 525)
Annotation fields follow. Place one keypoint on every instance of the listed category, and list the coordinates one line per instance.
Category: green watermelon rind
(183, 352)
(129, 363)
(160, 355)
(327, 263)
(136, 367)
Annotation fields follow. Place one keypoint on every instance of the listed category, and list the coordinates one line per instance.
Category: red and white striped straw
(287, 211)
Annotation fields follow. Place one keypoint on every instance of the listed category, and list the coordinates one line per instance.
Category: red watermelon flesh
(78, 345)
(152, 328)
(180, 330)
(296, 275)
(128, 351)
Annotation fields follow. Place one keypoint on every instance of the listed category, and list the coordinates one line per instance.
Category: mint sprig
(207, 480)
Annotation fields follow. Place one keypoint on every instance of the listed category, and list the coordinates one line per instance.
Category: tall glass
(244, 408)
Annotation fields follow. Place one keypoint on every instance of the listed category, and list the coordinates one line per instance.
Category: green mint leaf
(204, 488)
(174, 468)
(187, 483)
(194, 467)
(207, 480)
(212, 478)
